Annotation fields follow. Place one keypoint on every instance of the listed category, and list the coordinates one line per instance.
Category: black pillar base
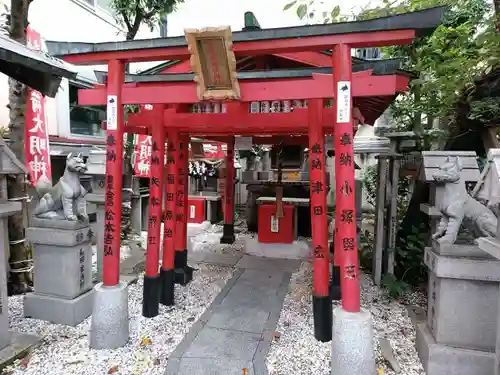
(335, 290)
(167, 287)
(151, 296)
(323, 318)
(228, 234)
(183, 274)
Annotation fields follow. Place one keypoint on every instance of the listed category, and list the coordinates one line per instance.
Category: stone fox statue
(65, 200)
(457, 206)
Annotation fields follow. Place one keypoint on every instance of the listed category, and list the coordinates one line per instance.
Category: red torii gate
(169, 97)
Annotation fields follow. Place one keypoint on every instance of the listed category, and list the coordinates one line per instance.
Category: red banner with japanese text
(142, 163)
(36, 131)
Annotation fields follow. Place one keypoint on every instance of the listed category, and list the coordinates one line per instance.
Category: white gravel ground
(65, 350)
(297, 352)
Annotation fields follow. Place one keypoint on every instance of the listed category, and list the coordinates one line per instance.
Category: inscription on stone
(82, 268)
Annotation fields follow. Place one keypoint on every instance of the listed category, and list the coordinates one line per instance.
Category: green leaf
(302, 11)
(290, 5)
(335, 12)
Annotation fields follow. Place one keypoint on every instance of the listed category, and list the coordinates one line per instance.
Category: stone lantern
(11, 344)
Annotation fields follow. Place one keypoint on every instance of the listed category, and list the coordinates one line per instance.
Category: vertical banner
(35, 131)
(142, 162)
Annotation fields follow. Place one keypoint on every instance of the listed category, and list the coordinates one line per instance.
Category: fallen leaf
(276, 335)
(24, 362)
(146, 341)
(113, 370)
(245, 371)
(380, 371)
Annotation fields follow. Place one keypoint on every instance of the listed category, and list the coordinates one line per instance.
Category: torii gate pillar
(352, 347)
(110, 325)
(228, 231)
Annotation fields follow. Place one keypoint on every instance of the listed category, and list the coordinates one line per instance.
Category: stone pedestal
(62, 272)
(98, 201)
(459, 337)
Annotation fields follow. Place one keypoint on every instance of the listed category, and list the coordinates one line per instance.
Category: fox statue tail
(43, 186)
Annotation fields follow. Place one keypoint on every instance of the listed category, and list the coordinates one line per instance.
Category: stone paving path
(235, 332)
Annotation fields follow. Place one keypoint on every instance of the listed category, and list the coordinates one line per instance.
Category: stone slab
(490, 246)
(219, 343)
(295, 250)
(20, 344)
(461, 312)
(261, 263)
(9, 208)
(237, 344)
(63, 271)
(59, 224)
(59, 237)
(460, 249)
(446, 360)
(58, 310)
(241, 318)
(212, 258)
(462, 268)
(213, 366)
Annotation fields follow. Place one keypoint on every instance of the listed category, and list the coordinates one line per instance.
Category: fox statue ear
(79, 155)
(458, 162)
(69, 156)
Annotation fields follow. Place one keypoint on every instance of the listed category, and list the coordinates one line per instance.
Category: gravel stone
(297, 351)
(65, 350)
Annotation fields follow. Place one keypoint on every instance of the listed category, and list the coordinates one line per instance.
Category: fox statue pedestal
(62, 271)
(62, 248)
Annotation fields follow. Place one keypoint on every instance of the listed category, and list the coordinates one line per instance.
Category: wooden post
(151, 290)
(114, 172)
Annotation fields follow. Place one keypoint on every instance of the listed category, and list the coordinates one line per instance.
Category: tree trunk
(16, 187)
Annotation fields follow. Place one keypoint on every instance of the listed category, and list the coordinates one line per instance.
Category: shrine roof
(423, 22)
(378, 67)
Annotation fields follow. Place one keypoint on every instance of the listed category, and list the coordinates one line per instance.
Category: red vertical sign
(36, 133)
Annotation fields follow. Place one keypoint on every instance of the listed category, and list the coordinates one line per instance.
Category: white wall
(71, 21)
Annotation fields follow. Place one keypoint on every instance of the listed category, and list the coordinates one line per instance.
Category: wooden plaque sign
(213, 63)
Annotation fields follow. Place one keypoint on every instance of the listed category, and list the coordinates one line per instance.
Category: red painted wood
(286, 225)
(169, 226)
(255, 48)
(155, 197)
(114, 172)
(318, 191)
(345, 210)
(318, 86)
(196, 210)
(181, 197)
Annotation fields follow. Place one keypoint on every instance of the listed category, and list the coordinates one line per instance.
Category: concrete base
(447, 360)
(195, 229)
(19, 345)
(295, 250)
(110, 326)
(56, 310)
(352, 343)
